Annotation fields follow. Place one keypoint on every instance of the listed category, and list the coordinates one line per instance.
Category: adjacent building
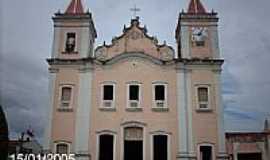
(136, 99)
(249, 145)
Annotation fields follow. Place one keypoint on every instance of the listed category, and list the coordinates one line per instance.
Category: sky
(26, 34)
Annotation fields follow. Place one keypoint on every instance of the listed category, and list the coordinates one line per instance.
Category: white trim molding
(106, 132)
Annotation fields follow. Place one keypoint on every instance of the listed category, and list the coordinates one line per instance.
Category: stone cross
(135, 10)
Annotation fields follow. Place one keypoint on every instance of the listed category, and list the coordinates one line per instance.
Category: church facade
(136, 99)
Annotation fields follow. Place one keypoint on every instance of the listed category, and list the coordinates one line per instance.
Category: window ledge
(65, 109)
(107, 109)
(204, 110)
(134, 109)
(160, 109)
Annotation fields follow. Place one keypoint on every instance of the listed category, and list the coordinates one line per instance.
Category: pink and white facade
(136, 98)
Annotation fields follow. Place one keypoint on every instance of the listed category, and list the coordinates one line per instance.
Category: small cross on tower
(135, 10)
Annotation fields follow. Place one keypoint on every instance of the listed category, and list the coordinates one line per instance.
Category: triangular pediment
(134, 39)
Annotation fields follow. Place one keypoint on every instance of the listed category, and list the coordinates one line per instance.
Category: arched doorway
(133, 143)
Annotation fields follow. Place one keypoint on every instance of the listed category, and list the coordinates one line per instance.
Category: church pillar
(185, 136)
(48, 130)
(82, 130)
(222, 154)
(189, 87)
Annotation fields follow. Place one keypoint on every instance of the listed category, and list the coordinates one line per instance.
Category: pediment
(134, 39)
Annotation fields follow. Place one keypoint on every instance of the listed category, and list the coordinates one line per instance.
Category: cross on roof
(135, 10)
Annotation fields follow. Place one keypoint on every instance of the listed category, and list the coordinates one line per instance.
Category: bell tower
(74, 33)
(70, 82)
(197, 32)
(199, 85)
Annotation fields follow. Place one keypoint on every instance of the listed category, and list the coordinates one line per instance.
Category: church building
(136, 98)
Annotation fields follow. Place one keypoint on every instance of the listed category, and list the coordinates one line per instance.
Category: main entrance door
(133, 143)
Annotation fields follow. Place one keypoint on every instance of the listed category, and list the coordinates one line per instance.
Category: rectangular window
(203, 94)
(134, 92)
(160, 92)
(107, 100)
(133, 96)
(66, 94)
(70, 42)
(160, 95)
(108, 92)
(203, 98)
(65, 97)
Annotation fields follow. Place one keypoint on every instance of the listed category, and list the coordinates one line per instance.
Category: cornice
(143, 56)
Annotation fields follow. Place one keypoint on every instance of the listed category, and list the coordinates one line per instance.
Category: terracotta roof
(75, 7)
(196, 7)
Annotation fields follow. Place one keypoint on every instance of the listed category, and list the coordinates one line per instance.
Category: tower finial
(75, 7)
(196, 7)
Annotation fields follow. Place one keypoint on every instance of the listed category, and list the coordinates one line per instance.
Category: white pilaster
(185, 42)
(49, 113)
(189, 87)
(220, 109)
(185, 135)
(85, 45)
(56, 42)
(215, 41)
(82, 130)
(182, 114)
